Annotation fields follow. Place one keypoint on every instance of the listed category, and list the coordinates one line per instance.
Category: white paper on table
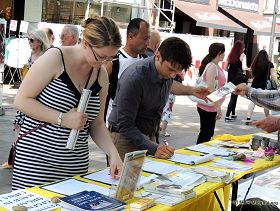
(72, 186)
(191, 159)
(159, 167)
(32, 201)
(221, 92)
(103, 176)
(230, 165)
(211, 150)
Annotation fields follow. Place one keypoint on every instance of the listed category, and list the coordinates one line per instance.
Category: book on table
(91, 200)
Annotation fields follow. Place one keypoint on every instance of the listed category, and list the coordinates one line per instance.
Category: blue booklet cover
(91, 200)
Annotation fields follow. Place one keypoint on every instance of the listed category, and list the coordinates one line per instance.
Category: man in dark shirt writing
(142, 92)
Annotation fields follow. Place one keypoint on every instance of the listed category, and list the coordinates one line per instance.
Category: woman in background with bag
(262, 71)
(214, 76)
(39, 43)
(236, 66)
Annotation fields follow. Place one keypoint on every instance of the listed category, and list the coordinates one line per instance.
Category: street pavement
(184, 129)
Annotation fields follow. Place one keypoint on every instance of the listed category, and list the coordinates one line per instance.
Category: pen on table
(165, 142)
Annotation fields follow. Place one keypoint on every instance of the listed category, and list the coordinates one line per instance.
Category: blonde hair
(43, 38)
(101, 32)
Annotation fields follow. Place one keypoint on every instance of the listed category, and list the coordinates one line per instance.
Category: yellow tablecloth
(205, 199)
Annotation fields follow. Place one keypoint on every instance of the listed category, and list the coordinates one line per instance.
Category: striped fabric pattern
(41, 156)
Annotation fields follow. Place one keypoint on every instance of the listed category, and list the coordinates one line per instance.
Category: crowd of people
(133, 90)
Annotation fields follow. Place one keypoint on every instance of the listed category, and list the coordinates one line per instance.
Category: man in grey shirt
(269, 99)
(141, 94)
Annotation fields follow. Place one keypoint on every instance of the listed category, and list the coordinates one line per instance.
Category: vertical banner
(13, 25)
(2, 41)
(23, 26)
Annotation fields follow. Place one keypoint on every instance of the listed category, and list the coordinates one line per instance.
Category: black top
(259, 81)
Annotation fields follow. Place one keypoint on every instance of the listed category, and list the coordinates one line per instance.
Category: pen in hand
(165, 142)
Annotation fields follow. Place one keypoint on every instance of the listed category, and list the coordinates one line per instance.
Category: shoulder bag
(270, 83)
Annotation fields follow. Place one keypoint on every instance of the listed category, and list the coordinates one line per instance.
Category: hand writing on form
(164, 151)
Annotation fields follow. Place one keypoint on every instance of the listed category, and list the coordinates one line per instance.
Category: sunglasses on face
(31, 40)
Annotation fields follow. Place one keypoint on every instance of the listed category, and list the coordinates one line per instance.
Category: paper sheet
(221, 92)
(191, 159)
(72, 186)
(211, 150)
(159, 167)
(30, 200)
(104, 177)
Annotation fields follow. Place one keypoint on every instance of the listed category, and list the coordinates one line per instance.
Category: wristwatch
(59, 118)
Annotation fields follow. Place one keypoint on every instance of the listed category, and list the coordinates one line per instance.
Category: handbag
(12, 154)
(201, 83)
(270, 83)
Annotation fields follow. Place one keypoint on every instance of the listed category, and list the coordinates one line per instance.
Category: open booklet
(221, 92)
(191, 159)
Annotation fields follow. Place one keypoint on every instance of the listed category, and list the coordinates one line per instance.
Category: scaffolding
(159, 6)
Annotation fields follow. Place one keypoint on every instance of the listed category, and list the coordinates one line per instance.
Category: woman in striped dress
(50, 94)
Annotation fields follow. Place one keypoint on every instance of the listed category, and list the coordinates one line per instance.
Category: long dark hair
(215, 49)
(236, 51)
(260, 63)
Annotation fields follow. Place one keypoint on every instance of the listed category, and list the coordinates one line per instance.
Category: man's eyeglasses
(99, 58)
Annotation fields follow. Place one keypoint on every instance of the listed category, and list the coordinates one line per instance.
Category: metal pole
(272, 36)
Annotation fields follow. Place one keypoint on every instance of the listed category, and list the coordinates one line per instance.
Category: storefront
(248, 14)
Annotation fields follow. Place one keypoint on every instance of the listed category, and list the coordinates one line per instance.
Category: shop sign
(199, 1)
(249, 5)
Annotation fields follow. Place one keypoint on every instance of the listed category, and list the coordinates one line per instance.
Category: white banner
(23, 26)
(13, 25)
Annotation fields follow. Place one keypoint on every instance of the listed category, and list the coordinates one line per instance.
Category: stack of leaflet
(215, 175)
(91, 200)
(233, 165)
(191, 159)
(211, 150)
(177, 184)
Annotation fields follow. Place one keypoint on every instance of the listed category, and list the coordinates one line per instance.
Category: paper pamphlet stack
(232, 144)
(72, 139)
(131, 173)
(178, 183)
(191, 159)
(215, 175)
(142, 204)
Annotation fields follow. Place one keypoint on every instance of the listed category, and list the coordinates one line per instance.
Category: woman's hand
(115, 166)
(74, 120)
(219, 113)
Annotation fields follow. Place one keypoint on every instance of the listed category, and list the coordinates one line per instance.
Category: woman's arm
(45, 69)
(243, 59)
(99, 132)
(211, 76)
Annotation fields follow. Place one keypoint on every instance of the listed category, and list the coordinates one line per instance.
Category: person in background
(69, 35)
(49, 33)
(38, 43)
(137, 39)
(264, 98)
(141, 95)
(167, 111)
(154, 43)
(50, 94)
(236, 65)
(215, 78)
(262, 69)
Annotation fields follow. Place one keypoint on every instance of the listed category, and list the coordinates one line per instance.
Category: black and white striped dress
(41, 156)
